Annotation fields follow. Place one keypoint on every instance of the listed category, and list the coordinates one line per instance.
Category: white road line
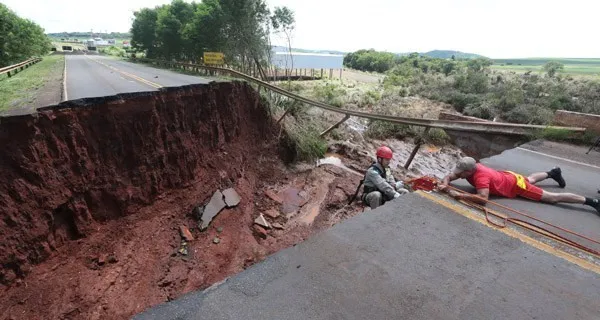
(559, 158)
(65, 96)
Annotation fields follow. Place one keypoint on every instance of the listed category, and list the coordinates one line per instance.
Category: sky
(493, 28)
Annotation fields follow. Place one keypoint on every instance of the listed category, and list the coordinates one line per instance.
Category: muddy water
(336, 160)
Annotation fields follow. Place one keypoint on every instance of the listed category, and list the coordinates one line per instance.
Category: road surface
(410, 259)
(96, 76)
(582, 176)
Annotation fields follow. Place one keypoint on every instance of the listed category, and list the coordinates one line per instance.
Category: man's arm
(444, 185)
(481, 197)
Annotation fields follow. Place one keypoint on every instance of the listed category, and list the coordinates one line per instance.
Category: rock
(183, 251)
(219, 229)
(185, 233)
(261, 221)
(214, 206)
(101, 259)
(232, 198)
(278, 225)
(216, 240)
(272, 213)
(112, 259)
(274, 196)
(260, 231)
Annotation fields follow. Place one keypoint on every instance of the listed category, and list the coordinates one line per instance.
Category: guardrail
(19, 66)
(479, 127)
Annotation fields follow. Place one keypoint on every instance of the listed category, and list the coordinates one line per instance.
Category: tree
(551, 67)
(283, 21)
(20, 39)
(478, 64)
(143, 31)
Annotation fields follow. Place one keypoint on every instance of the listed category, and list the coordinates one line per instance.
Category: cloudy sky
(494, 28)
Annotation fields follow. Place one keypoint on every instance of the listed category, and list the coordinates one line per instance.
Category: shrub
(330, 93)
(383, 129)
(307, 143)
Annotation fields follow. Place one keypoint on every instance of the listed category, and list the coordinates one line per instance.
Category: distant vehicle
(126, 44)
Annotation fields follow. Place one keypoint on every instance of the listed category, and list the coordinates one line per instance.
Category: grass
(21, 88)
(586, 67)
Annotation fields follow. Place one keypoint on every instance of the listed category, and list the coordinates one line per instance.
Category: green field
(22, 88)
(585, 67)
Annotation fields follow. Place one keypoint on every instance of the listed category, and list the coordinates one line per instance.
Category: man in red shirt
(508, 184)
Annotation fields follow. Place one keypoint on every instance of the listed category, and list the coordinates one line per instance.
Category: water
(307, 60)
(334, 159)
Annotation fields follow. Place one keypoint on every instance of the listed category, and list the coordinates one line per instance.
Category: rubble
(278, 225)
(232, 198)
(214, 206)
(216, 240)
(272, 213)
(185, 233)
(261, 221)
(260, 231)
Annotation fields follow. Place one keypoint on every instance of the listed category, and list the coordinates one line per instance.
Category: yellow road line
(127, 74)
(513, 233)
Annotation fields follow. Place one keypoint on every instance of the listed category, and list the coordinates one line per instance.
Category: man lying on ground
(508, 184)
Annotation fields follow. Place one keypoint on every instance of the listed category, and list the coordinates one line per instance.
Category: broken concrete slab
(261, 221)
(214, 206)
(232, 198)
(216, 240)
(185, 233)
(272, 213)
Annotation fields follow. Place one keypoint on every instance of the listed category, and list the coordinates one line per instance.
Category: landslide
(101, 181)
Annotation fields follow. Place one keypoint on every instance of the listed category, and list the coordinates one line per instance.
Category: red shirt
(500, 183)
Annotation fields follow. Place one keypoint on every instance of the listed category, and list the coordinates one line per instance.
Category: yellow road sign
(214, 58)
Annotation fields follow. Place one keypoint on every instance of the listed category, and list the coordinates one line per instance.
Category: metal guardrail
(479, 127)
(19, 66)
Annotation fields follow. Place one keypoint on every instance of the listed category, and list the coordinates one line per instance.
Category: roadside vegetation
(22, 89)
(473, 88)
(20, 39)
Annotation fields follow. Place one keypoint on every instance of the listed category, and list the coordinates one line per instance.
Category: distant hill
(447, 54)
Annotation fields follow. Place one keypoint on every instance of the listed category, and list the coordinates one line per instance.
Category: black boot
(556, 174)
(594, 203)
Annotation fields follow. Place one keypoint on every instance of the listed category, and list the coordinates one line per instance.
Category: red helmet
(384, 152)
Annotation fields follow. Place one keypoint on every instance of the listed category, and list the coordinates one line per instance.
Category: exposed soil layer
(94, 191)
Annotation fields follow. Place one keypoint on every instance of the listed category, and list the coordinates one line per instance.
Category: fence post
(330, 74)
(419, 142)
(321, 74)
(346, 117)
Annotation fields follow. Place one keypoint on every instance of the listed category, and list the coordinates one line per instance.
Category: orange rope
(429, 183)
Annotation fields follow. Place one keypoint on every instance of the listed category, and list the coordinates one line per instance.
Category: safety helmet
(384, 152)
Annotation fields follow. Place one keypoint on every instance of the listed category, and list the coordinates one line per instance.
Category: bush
(383, 129)
(307, 143)
(114, 51)
(330, 93)
(437, 136)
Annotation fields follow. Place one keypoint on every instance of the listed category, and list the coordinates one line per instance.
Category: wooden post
(321, 73)
(9, 75)
(331, 74)
(284, 114)
(296, 72)
(419, 142)
(341, 73)
(346, 117)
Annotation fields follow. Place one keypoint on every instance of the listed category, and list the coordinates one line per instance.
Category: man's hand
(442, 187)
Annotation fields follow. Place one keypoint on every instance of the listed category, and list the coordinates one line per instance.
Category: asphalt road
(582, 176)
(410, 259)
(97, 76)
